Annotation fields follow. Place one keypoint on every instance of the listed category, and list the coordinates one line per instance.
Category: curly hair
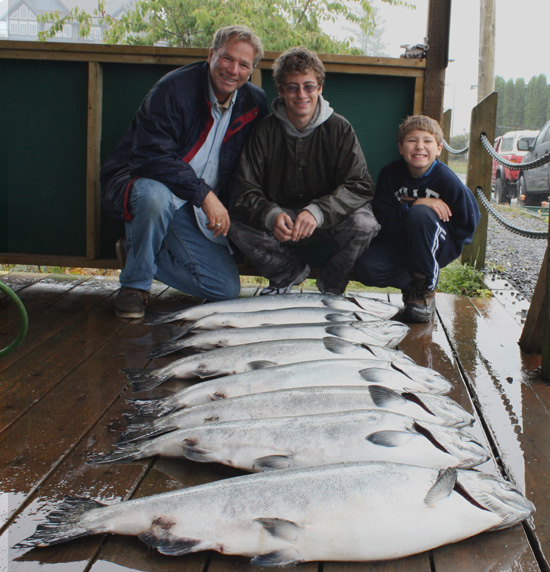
(422, 123)
(297, 60)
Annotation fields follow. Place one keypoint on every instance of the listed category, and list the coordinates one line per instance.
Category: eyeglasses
(295, 88)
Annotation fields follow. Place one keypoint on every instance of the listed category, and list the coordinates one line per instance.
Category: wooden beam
(483, 120)
(439, 21)
(93, 165)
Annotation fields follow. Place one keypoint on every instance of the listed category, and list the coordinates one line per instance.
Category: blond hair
(420, 123)
(239, 34)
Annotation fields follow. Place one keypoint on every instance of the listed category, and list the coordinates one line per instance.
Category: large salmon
(310, 440)
(347, 512)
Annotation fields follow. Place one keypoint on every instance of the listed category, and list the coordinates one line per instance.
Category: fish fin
(271, 462)
(217, 395)
(334, 317)
(337, 346)
(166, 348)
(161, 318)
(375, 374)
(64, 523)
(443, 486)
(288, 557)
(336, 330)
(280, 528)
(177, 332)
(382, 396)
(261, 364)
(167, 543)
(143, 379)
(142, 431)
(388, 438)
(154, 407)
(205, 373)
(194, 453)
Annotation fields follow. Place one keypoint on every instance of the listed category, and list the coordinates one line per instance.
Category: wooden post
(483, 120)
(437, 58)
(446, 126)
(93, 160)
(486, 65)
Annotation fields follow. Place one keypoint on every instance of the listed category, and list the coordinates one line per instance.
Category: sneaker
(131, 302)
(419, 301)
(270, 290)
(324, 290)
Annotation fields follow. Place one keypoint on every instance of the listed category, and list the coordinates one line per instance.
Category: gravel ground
(516, 258)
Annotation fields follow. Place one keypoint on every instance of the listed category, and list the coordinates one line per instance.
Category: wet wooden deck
(62, 396)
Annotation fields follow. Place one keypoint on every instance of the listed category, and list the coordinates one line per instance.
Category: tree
(519, 103)
(191, 23)
(499, 88)
(530, 118)
(507, 105)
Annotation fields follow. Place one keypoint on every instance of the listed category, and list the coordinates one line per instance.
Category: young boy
(427, 216)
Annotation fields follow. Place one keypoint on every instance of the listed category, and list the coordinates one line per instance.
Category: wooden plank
(484, 337)
(50, 310)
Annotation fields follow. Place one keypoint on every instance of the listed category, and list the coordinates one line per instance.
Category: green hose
(22, 315)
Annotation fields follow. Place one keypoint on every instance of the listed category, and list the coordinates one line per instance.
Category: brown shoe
(131, 302)
(419, 301)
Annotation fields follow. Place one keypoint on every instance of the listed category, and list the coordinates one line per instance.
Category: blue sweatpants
(391, 260)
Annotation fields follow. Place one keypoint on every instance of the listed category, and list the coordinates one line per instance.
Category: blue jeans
(164, 241)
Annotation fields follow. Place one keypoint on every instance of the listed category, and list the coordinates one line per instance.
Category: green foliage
(521, 106)
(280, 24)
(464, 280)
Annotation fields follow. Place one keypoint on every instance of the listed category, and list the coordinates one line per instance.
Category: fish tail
(177, 332)
(139, 428)
(62, 524)
(143, 379)
(150, 407)
(123, 453)
(161, 317)
(166, 348)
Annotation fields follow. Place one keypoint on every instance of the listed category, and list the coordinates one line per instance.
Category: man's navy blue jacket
(169, 128)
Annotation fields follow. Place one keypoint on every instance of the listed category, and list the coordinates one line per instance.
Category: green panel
(43, 157)
(124, 88)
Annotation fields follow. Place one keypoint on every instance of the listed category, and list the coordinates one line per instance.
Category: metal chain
(454, 151)
(514, 166)
(502, 221)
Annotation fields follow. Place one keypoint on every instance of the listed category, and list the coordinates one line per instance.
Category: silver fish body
(330, 372)
(310, 440)
(339, 512)
(374, 306)
(438, 409)
(384, 333)
(276, 317)
(236, 359)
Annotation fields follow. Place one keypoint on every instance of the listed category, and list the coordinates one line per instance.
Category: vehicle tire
(501, 191)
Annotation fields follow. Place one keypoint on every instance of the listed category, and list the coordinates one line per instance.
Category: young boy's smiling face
(419, 149)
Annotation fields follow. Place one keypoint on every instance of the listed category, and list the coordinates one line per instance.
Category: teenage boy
(301, 177)
(427, 216)
(167, 177)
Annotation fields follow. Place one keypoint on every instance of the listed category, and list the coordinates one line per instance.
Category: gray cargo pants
(282, 262)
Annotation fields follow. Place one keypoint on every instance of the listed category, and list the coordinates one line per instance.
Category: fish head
(460, 444)
(445, 410)
(496, 495)
(387, 333)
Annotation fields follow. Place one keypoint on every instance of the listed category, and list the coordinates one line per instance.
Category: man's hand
(218, 217)
(285, 229)
(441, 208)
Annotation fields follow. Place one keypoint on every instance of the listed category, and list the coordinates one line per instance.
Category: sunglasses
(295, 88)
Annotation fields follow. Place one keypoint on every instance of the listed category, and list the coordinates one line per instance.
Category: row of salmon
(360, 453)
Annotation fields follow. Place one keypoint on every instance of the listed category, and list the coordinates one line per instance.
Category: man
(302, 177)
(167, 177)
